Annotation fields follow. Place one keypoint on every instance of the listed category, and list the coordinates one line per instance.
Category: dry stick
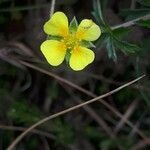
(52, 7)
(127, 114)
(125, 120)
(93, 114)
(15, 142)
(84, 91)
(35, 131)
(137, 124)
(110, 81)
(57, 78)
(130, 23)
(141, 145)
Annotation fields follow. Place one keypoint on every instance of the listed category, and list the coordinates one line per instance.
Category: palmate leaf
(101, 41)
(114, 42)
(126, 47)
(113, 38)
(144, 23)
(111, 48)
(97, 12)
(120, 32)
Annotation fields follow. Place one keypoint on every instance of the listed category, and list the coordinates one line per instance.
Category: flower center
(71, 41)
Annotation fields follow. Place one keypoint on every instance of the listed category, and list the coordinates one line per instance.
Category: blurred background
(31, 89)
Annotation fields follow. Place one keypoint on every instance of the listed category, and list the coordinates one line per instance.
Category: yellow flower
(69, 41)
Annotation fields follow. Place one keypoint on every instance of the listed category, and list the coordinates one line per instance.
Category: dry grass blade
(125, 120)
(141, 145)
(116, 112)
(52, 7)
(130, 23)
(57, 78)
(35, 131)
(93, 114)
(111, 81)
(19, 138)
(127, 114)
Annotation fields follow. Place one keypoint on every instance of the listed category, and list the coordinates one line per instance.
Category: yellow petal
(88, 30)
(54, 51)
(81, 57)
(57, 25)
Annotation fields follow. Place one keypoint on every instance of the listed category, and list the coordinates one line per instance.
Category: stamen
(71, 41)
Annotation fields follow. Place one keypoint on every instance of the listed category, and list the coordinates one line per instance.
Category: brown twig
(83, 91)
(57, 78)
(93, 114)
(110, 81)
(125, 120)
(130, 23)
(35, 131)
(52, 7)
(16, 141)
(126, 115)
(141, 145)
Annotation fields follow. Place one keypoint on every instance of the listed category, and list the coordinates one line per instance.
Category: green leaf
(73, 25)
(120, 32)
(126, 47)
(111, 49)
(67, 57)
(133, 14)
(102, 40)
(20, 112)
(144, 2)
(87, 44)
(51, 37)
(97, 12)
(144, 23)
(63, 131)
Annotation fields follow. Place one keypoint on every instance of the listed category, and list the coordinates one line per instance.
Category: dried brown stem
(35, 131)
(52, 7)
(107, 105)
(130, 23)
(19, 138)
